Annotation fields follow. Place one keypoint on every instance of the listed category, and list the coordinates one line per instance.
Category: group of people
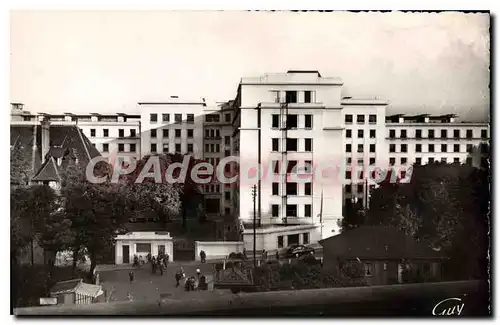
(159, 262)
(193, 283)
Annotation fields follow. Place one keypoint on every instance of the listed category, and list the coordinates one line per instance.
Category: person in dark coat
(153, 265)
(131, 276)
(203, 256)
(178, 277)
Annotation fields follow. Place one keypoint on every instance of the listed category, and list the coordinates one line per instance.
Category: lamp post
(254, 194)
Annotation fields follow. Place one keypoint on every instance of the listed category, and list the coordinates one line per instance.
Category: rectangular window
(105, 147)
(372, 161)
(444, 148)
(177, 133)
(309, 144)
(444, 134)
(468, 134)
(153, 118)
(368, 269)
(121, 133)
(360, 133)
(372, 147)
(214, 118)
(276, 121)
(373, 134)
(307, 210)
(348, 134)
(190, 133)
(165, 133)
(227, 117)
(227, 196)
(348, 118)
(392, 134)
(360, 188)
(291, 96)
(165, 147)
(456, 160)
(275, 144)
(484, 134)
(227, 140)
(403, 160)
(143, 248)
(227, 153)
(348, 147)
(305, 238)
(275, 210)
(132, 133)
(190, 148)
(403, 134)
(418, 147)
(392, 161)
(291, 166)
(360, 148)
(105, 133)
(431, 134)
(392, 148)
(308, 166)
(292, 121)
(280, 242)
(348, 174)
(153, 133)
(456, 134)
(291, 188)
(177, 147)
(469, 148)
(372, 118)
(443, 160)
(361, 162)
(348, 188)
(276, 187)
(178, 118)
(404, 148)
(291, 210)
(291, 144)
(276, 166)
(165, 117)
(360, 119)
(153, 147)
(189, 118)
(418, 161)
(92, 132)
(308, 189)
(418, 134)
(431, 148)
(431, 160)
(307, 96)
(456, 148)
(121, 147)
(309, 121)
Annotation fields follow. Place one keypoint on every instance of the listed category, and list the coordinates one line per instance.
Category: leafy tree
(20, 165)
(354, 216)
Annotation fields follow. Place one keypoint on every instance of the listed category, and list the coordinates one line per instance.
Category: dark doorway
(293, 239)
(126, 254)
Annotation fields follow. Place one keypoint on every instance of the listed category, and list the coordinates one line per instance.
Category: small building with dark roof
(75, 292)
(384, 252)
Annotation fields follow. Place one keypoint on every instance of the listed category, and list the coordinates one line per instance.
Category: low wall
(217, 249)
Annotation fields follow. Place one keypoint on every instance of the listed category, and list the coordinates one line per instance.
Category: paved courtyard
(149, 287)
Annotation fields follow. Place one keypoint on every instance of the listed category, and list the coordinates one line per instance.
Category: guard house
(142, 244)
(75, 292)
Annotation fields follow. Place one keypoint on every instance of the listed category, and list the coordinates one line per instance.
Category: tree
(354, 216)
(445, 204)
(20, 165)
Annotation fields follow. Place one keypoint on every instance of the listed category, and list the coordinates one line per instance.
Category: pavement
(153, 287)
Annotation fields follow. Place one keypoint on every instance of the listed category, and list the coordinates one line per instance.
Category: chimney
(45, 138)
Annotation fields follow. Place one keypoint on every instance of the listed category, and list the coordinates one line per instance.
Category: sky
(107, 61)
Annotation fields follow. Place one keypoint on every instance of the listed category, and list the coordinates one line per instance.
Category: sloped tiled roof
(67, 142)
(65, 286)
(377, 242)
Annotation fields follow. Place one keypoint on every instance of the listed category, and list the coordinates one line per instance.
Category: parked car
(298, 250)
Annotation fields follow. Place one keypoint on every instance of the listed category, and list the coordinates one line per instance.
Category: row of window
(360, 188)
(348, 147)
(293, 239)
(292, 144)
(431, 134)
(418, 160)
(165, 117)
(292, 210)
(121, 147)
(430, 148)
(154, 133)
(292, 96)
(154, 148)
(360, 161)
(212, 147)
(361, 134)
(292, 188)
(360, 118)
(121, 133)
(292, 121)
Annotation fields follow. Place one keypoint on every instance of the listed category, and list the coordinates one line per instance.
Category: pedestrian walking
(161, 269)
(153, 265)
(178, 277)
(203, 256)
(131, 276)
(277, 255)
